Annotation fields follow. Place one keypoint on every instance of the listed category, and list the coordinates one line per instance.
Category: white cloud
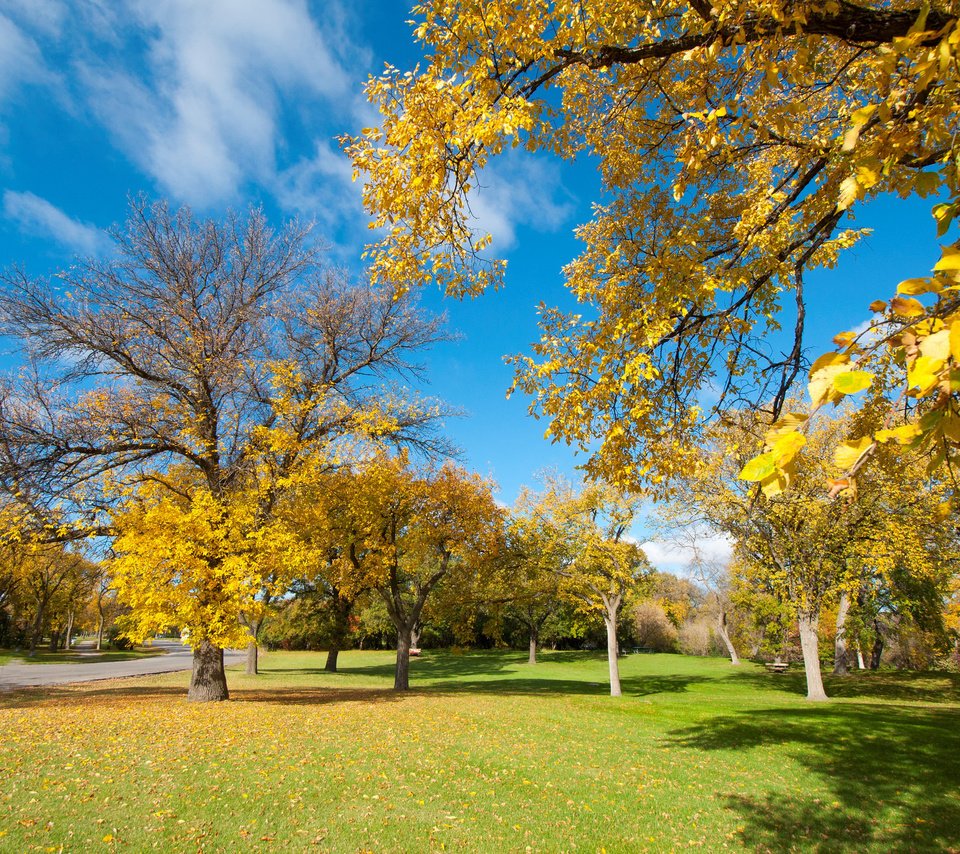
(202, 117)
(693, 549)
(38, 216)
(21, 60)
(519, 191)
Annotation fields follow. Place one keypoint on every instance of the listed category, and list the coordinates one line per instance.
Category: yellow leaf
(912, 287)
(850, 191)
(828, 359)
(951, 427)
(950, 259)
(937, 346)
(821, 387)
(760, 467)
(786, 446)
(878, 305)
(844, 339)
(846, 456)
(850, 382)
(902, 435)
(924, 374)
(907, 307)
(955, 341)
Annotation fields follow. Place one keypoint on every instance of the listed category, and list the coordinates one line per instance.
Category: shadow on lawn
(81, 695)
(892, 773)
(895, 686)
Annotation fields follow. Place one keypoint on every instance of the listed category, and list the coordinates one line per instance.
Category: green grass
(486, 754)
(73, 656)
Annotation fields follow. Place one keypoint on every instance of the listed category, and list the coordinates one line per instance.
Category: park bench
(637, 649)
(777, 666)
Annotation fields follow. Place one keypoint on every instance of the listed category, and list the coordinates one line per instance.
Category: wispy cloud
(689, 552)
(37, 216)
(519, 191)
(200, 109)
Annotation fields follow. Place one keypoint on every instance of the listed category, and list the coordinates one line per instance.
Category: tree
(412, 530)
(804, 549)
(587, 536)
(734, 142)
(222, 353)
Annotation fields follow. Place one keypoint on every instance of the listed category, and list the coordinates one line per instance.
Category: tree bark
(533, 645)
(841, 664)
(37, 634)
(208, 682)
(725, 637)
(99, 632)
(253, 658)
(613, 650)
(332, 655)
(877, 651)
(69, 634)
(807, 622)
(401, 679)
(860, 662)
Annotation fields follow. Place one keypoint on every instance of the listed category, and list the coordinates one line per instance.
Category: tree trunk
(332, 655)
(807, 622)
(725, 637)
(54, 640)
(37, 634)
(533, 645)
(610, 619)
(69, 635)
(401, 680)
(99, 633)
(860, 662)
(208, 682)
(876, 652)
(841, 666)
(253, 658)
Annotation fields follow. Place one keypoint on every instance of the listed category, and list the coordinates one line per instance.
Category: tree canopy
(734, 143)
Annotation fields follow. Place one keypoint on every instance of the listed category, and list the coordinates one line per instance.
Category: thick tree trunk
(613, 651)
(332, 655)
(208, 682)
(807, 622)
(725, 637)
(841, 665)
(401, 680)
(54, 640)
(37, 634)
(533, 645)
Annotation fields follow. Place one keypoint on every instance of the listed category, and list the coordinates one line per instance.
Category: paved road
(176, 656)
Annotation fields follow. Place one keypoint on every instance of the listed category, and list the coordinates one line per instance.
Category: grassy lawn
(486, 754)
(73, 656)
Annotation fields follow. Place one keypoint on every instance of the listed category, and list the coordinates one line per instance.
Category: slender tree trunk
(533, 645)
(401, 680)
(253, 658)
(69, 635)
(861, 665)
(809, 643)
(841, 665)
(725, 637)
(341, 628)
(208, 682)
(54, 640)
(253, 647)
(613, 650)
(99, 632)
(876, 652)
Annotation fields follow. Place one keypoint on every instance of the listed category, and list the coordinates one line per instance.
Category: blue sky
(225, 103)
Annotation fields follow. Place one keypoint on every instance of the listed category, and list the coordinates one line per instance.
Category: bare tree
(190, 345)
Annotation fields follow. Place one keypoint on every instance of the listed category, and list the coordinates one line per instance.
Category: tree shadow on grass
(637, 686)
(82, 695)
(891, 772)
(894, 686)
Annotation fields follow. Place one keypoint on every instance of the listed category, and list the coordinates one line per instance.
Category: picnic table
(777, 666)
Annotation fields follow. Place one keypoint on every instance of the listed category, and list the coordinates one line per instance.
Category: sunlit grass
(488, 754)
